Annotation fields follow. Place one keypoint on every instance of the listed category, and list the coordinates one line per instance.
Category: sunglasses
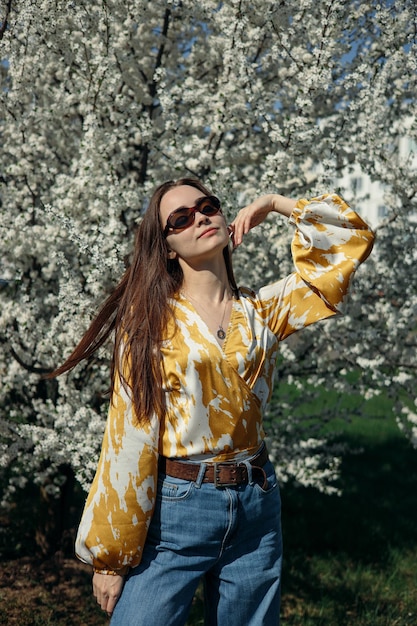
(183, 218)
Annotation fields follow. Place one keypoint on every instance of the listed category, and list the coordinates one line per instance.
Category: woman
(184, 489)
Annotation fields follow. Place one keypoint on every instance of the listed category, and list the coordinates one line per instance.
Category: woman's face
(205, 237)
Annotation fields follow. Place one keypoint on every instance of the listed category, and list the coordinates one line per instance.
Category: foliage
(101, 101)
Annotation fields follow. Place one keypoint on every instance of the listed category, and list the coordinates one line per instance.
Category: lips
(212, 229)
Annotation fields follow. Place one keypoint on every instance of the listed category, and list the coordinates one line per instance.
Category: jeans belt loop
(249, 470)
(199, 479)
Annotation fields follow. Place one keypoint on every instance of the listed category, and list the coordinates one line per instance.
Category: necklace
(221, 333)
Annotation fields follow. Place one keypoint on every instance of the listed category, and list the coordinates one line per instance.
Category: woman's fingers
(107, 590)
(250, 216)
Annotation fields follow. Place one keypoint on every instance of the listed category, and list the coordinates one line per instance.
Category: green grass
(353, 559)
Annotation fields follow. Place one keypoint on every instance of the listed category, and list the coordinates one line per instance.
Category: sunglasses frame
(212, 200)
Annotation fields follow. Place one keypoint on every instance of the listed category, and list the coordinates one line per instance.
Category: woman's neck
(208, 284)
(208, 289)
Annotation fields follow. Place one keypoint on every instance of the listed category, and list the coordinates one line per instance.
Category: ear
(172, 255)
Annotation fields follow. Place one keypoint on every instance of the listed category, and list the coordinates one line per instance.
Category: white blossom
(100, 102)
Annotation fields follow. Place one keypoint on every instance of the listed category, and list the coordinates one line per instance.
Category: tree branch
(28, 367)
(5, 21)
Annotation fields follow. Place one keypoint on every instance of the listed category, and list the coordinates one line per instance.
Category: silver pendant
(220, 333)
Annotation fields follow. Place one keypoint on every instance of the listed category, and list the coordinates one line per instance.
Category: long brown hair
(138, 311)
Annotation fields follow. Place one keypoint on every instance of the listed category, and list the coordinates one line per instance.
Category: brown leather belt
(223, 474)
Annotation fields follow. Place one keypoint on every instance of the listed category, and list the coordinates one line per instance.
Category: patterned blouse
(215, 396)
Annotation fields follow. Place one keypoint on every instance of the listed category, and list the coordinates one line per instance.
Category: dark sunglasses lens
(208, 208)
(181, 218)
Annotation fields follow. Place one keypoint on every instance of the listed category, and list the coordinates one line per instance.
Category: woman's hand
(254, 214)
(107, 590)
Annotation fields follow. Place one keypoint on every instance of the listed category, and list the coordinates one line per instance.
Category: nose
(202, 218)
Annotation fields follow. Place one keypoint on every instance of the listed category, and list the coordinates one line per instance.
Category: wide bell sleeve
(329, 243)
(121, 500)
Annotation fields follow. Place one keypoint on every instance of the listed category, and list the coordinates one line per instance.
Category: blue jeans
(229, 537)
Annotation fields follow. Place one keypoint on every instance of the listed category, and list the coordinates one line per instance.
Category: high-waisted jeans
(229, 537)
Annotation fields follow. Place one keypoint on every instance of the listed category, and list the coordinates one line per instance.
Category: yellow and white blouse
(215, 396)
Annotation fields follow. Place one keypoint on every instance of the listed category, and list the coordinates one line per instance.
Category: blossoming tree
(101, 101)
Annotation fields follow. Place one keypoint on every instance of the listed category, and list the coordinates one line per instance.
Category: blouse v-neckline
(219, 343)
